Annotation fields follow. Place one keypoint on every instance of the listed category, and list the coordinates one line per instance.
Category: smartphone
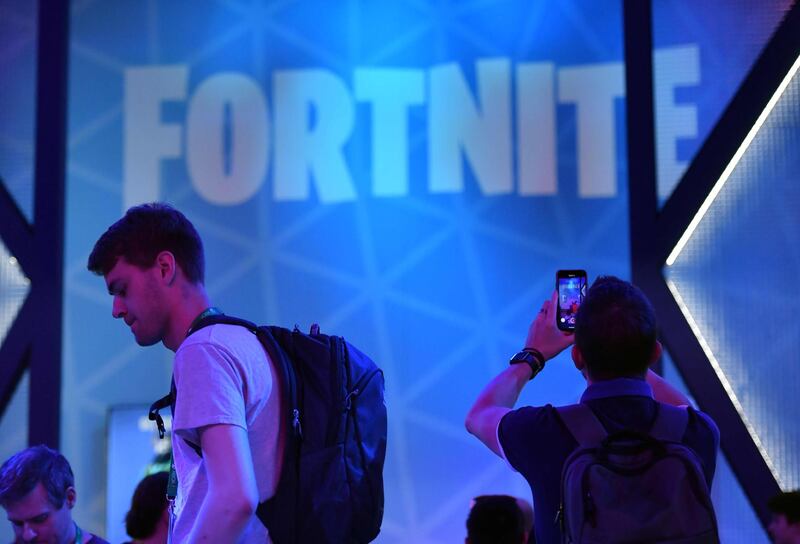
(571, 287)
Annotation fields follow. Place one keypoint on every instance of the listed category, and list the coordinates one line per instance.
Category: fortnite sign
(504, 128)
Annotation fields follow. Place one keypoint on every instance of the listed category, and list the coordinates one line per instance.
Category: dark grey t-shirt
(536, 443)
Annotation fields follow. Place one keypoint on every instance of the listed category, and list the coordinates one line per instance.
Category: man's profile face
(35, 519)
(137, 300)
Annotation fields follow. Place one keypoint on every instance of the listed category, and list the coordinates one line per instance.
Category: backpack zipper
(589, 510)
(362, 383)
(298, 427)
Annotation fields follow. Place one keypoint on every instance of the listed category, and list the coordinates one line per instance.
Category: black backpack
(331, 484)
(634, 487)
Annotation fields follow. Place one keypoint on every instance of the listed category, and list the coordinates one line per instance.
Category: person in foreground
(226, 423)
(615, 343)
(37, 491)
(498, 519)
(785, 525)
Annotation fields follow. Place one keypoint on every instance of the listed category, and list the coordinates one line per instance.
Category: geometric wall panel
(18, 56)
(738, 522)
(706, 69)
(421, 270)
(14, 287)
(734, 275)
(385, 268)
(14, 430)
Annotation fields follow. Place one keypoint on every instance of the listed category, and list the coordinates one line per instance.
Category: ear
(580, 363)
(167, 266)
(656, 355)
(165, 517)
(71, 497)
(577, 358)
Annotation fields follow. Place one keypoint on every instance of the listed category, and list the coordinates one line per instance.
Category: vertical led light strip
(688, 234)
(724, 381)
(732, 164)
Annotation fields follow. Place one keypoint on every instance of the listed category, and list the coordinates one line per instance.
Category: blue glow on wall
(748, 237)
(408, 175)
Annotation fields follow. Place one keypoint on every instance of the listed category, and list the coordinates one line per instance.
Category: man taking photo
(614, 345)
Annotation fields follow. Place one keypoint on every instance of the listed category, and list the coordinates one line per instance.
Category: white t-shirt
(223, 375)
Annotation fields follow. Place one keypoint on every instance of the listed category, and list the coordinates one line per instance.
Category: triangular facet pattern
(14, 430)
(18, 55)
(738, 523)
(14, 287)
(736, 283)
(686, 114)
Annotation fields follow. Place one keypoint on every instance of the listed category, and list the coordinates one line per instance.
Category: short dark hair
(147, 505)
(145, 231)
(495, 519)
(615, 329)
(26, 469)
(788, 504)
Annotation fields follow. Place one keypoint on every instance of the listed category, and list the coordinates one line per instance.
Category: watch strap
(537, 355)
(532, 357)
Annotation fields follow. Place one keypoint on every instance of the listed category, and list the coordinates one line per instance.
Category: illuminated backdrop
(407, 174)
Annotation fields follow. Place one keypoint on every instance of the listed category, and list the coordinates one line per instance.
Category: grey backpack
(631, 487)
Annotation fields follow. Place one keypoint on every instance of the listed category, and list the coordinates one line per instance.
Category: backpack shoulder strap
(271, 345)
(222, 319)
(287, 380)
(275, 351)
(670, 424)
(283, 367)
(583, 424)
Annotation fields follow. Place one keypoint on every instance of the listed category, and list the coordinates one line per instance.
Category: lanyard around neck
(172, 482)
(78, 534)
(204, 314)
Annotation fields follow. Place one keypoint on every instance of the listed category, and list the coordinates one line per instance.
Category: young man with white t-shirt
(226, 429)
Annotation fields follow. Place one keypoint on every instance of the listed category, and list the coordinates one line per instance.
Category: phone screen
(571, 286)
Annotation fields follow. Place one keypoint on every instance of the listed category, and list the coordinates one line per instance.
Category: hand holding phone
(571, 289)
(543, 336)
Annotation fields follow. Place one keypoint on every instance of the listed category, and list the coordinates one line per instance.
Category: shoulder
(703, 423)
(221, 335)
(534, 439)
(522, 422)
(94, 539)
(702, 436)
(702, 420)
(229, 342)
(524, 413)
(223, 354)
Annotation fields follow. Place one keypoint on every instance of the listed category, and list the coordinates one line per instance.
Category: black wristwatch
(530, 356)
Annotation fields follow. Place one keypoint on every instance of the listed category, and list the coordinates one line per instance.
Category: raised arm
(501, 394)
(664, 392)
(495, 401)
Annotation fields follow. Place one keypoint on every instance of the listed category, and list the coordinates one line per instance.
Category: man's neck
(72, 535)
(192, 303)
(592, 381)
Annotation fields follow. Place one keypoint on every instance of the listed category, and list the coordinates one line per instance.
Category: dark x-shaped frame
(655, 233)
(34, 340)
